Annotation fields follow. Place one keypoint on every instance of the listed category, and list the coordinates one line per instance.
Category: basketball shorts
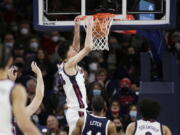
(72, 117)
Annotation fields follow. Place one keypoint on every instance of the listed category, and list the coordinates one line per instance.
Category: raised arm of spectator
(19, 98)
(37, 100)
(72, 62)
(76, 40)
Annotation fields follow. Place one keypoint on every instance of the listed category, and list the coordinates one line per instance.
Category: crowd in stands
(115, 74)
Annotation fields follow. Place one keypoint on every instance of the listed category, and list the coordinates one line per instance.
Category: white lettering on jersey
(148, 128)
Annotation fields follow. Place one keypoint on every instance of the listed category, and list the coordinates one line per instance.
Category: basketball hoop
(102, 25)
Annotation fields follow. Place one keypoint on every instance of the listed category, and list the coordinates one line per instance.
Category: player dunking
(148, 125)
(72, 76)
(12, 99)
(95, 123)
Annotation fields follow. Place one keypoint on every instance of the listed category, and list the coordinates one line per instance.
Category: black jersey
(95, 125)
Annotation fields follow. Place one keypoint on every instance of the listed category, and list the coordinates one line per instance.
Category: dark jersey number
(148, 133)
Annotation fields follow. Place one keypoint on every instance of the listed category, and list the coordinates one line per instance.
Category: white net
(101, 31)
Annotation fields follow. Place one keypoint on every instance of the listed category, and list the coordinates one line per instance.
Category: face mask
(93, 66)
(10, 44)
(133, 114)
(177, 45)
(24, 31)
(115, 111)
(34, 45)
(55, 38)
(118, 128)
(96, 92)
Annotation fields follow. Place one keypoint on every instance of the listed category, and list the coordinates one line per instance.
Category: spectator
(9, 40)
(119, 126)
(33, 44)
(31, 88)
(130, 117)
(127, 97)
(53, 125)
(97, 90)
(114, 110)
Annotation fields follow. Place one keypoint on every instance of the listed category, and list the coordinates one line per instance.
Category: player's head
(5, 57)
(98, 104)
(149, 109)
(65, 50)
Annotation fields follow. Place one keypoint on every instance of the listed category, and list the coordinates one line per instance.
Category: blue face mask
(96, 92)
(133, 114)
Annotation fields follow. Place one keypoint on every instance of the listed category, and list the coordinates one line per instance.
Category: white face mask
(55, 38)
(93, 66)
(133, 114)
(24, 31)
(34, 45)
(9, 44)
(177, 45)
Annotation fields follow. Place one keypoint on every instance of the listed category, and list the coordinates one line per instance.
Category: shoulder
(19, 87)
(166, 130)
(111, 125)
(131, 127)
(18, 91)
(112, 128)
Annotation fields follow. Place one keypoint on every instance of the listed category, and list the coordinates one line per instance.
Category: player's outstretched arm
(78, 128)
(130, 129)
(166, 130)
(19, 98)
(112, 129)
(37, 100)
(72, 62)
(76, 40)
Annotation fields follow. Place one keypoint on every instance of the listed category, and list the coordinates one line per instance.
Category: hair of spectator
(149, 109)
(119, 118)
(99, 84)
(7, 33)
(98, 104)
(5, 55)
(101, 70)
(63, 49)
(131, 106)
(115, 100)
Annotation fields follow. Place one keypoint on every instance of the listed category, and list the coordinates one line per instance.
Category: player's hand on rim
(77, 21)
(89, 21)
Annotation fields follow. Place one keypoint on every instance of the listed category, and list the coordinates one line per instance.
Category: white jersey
(6, 115)
(148, 128)
(74, 88)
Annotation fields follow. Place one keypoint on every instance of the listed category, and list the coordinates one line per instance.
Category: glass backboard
(148, 14)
